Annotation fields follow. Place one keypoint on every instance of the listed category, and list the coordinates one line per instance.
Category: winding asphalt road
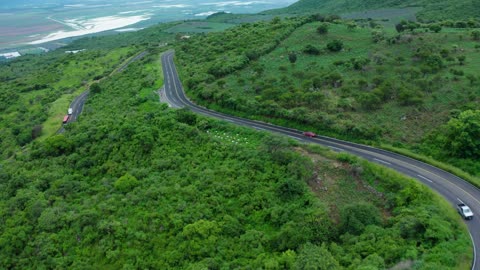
(77, 107)
(79, 102)
(451, 187)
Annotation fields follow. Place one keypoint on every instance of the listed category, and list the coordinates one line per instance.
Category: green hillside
(357, 81)
(430, 9)
(134, 184)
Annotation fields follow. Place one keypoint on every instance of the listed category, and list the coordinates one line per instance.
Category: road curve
(79, 102)
(451, 187)
(77, 107)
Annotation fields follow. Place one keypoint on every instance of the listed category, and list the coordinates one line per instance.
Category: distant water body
(34, 22)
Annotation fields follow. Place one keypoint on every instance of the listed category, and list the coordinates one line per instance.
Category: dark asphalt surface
(77, 106)
(451, 187)
(79, 102)
(137, 57)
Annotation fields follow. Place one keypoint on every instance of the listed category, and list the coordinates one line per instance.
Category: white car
(465, 211)
(70, 111)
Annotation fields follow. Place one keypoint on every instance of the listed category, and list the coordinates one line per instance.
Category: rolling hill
(430, 9)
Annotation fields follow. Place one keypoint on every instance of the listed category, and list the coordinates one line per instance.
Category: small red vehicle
(309, 134)
(65, 118)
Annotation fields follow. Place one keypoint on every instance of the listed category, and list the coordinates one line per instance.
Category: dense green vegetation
(134, 184)
(355, 80)
(430, 10)
(35, 91)
(231, 50)
(31, 84)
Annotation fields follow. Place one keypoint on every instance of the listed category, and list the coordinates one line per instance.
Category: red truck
(65, 118)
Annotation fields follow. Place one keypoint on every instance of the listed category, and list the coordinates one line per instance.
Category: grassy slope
(432, 9)
(39, 83)
(207, 194)
(224, 209)
(339, 107)
(58, 108)
(36, 91)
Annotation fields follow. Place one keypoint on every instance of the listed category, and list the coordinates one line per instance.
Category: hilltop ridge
(430, 10)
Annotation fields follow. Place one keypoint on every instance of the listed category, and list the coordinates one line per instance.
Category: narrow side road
(451, 187)
(78, 103)
(77, 107)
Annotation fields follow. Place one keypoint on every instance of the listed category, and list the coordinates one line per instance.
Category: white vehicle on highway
(465, 211)
(70, 111)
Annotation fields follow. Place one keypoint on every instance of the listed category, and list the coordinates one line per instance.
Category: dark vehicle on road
(309, 134)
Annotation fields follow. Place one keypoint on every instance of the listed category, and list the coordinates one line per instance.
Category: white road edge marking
(474, 251)
(382, 161)
(424, 178)
(385, 162)
(460, 201)
(336, 148)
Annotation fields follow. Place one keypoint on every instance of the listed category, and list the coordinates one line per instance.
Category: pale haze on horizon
(24, 22)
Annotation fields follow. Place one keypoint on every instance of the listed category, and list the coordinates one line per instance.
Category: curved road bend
(451, 187)
(77, 107)
(78, 103)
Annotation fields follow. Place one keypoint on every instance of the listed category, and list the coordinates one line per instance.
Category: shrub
(310, 49)
(292, 57)
(355, 217)
(462, 133)
(322, 29)
(335, 45)
(126, 183)
(435, 28)
(475, 34)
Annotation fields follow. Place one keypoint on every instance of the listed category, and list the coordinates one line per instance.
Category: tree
(461, 135)
(355, 217)
(58, 145)
(475, 34)
(126, 183)
(400, 27)
(276, 20)
(310, 49)
(406, 25)
(435, 28)
(186, 116)
(378, 35)
(335, 45)
(290, 188)
(461, 59)
(95, 88)
(292, 57)
(322, 29)
(359, 63)
(312, 257)
(351, 25)
(36, 131)
(472, 79)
